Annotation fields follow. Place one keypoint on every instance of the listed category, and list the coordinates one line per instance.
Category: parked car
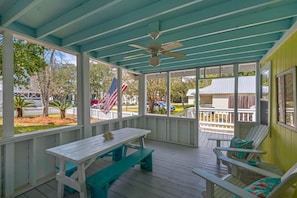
(163, 105)
(94, 104)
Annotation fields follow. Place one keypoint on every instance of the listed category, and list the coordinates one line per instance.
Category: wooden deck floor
(171, 175)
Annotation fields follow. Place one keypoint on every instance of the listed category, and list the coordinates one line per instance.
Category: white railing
(98, 114)
(212, 119)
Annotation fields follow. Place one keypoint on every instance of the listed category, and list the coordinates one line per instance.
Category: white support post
(256, 116)
(235, 69)
(142, 99)
(83, 94)
(8, 113)
(8, 95)
(120, 95)
(197, 115)
(168, 94)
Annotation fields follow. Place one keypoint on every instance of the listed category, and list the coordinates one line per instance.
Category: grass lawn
(29, 124)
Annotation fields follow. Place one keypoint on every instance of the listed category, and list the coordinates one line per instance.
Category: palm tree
(20, 103)
(62, 106)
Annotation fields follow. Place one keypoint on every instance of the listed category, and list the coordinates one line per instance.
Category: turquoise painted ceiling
(212, 32)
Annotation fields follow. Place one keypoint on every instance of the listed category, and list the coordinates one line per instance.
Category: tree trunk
(63, 114)
(44, 81)
(20, 112)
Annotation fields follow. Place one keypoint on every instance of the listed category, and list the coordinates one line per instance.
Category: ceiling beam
(239, 51)
(154, 10)
(18, 9)
(75, 15)
(201, 64)
(255, 19)
(202, 59)
(253, 41)
(241, 34)
(194, 18)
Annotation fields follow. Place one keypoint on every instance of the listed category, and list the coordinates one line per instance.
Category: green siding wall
(282, 144)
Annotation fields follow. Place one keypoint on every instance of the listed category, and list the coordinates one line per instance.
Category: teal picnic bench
(70, 168)
(101, 181)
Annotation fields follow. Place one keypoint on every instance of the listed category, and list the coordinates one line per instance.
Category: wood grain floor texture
(171, 177)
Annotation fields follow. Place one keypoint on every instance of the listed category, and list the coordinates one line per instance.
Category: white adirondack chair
(257, 133)
(228, 186)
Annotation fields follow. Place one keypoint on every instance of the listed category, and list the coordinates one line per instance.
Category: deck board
(171, 176)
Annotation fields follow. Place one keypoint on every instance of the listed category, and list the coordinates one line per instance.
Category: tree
(156, 90)
(44, 78)
(20, 103)
(130, 80)
(180, 87)
(28, 59)
(64, 82)
(62, 106)
(100, 78)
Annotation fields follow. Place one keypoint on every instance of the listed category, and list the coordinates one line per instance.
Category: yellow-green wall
(282, 144)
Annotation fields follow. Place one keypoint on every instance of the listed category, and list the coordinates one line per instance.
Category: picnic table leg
(218, 145)
(82, 180)
(60, 184)
(141, 142)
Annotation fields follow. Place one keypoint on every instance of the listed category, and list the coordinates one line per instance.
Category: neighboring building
(32, 93)
(220, 94)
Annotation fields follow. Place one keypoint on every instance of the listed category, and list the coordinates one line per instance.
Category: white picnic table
(84, 152)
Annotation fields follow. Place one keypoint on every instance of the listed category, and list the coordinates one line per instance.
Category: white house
(220, 93)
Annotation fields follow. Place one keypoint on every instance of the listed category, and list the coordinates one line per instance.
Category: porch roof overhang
(213, 32)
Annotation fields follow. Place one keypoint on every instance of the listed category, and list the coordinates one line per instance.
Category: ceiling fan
(154, 48)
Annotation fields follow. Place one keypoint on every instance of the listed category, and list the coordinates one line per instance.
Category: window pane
(44, 93)
(246, 102)
(130, 95)
(265, 85)
(182, 93)
(156, 93)
(227, 70)
(280, 99)
(289, 99)
(103, 82)
(212, 72)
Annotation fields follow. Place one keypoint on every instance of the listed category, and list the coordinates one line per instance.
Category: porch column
(120, 95)
(258, 91)
(8, 113)
(83, 94)
(236, 99)
(197, 115)
(142, 99)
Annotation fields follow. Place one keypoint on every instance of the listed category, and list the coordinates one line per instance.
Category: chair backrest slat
(257, 133)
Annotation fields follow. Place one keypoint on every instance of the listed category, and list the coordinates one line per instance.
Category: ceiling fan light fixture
(154, 61)
(155, 35)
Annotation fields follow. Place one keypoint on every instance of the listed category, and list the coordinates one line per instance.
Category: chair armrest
(219, 139)
(212, 179)
(246, 166)
(240, 150)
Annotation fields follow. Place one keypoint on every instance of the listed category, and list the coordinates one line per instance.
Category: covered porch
(194, 37)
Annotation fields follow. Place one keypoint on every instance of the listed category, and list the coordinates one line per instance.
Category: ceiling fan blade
(170, 46)
(173, 54)
(134, 56)
(138, 46)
